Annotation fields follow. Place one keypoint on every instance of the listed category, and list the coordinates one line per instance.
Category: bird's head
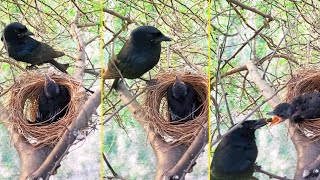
(148, 35)
(179, 89)
(281, 112)
(248, 128)
(14, 32)
(51, 88)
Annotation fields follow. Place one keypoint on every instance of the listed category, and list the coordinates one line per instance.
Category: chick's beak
(276, 120)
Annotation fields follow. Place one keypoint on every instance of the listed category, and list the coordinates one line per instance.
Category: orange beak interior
(276, 120)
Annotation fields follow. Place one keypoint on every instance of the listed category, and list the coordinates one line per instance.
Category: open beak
(28, 33)
(163, 38)
(276, 119)
(260, 123)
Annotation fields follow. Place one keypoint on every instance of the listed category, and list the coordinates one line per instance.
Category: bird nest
(305, 80)
(23, 103)
(159, 116)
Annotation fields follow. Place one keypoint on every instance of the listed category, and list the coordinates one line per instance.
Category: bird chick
(138, 55)
(303, 107)
(183, 102)
(52, 102)
(21, 47)
(236, 154)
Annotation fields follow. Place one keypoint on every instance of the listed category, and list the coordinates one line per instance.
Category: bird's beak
(276, 119)
(2, 38)
(260, 123)
(47, 79)
(28, 33)
(178, 81)
(162, 38)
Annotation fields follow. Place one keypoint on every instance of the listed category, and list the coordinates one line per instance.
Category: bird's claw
(31, 67)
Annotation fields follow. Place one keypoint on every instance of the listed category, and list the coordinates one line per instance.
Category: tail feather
(61, 67)
(58, 54)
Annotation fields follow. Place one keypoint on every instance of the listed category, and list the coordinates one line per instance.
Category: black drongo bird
(303, 107)
(236, 154)
(22, 47)
(53, 102)
(138, 55)
(183, 102)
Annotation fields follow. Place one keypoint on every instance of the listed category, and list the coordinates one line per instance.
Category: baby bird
(303, 107)
(183, 102)
(52, 103)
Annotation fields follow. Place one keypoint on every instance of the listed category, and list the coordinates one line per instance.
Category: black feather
(52, 103)
(235, 155)
(22, 47)
(183, 102)
(138, 55)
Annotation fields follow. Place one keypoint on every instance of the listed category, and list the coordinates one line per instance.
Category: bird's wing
(194, 100)
(113, 69)
(245, 165)
(25, 50)
(173, 116)
(41, 52)
(171, 107)
(42, 107)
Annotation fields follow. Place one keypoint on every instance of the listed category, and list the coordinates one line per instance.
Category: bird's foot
(31, 67)
(312, 169)
(257, 167)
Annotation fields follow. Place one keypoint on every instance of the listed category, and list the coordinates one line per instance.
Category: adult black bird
(21, 47)
(138, 55)
(303, 107)
(236, 154)
(183, 102)
(52, 102)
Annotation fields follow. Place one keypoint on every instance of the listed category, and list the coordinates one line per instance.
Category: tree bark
(307, 149)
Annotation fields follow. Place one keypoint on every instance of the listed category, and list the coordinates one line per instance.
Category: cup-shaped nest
(305, 80)
(23, 103)
(157, 108)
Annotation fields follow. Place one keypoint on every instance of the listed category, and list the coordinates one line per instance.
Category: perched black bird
(183, 102)
(303, 107)
(236, 154)
(22, 47)
(138, 55)
(53, 102)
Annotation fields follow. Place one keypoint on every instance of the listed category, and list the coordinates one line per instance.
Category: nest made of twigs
(23, 103)
(157, 110)
(305, 80)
